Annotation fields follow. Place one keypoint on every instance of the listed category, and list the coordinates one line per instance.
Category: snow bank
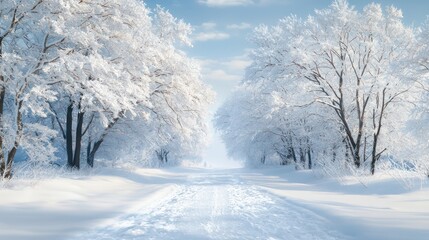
(377, 207)
(62, 207)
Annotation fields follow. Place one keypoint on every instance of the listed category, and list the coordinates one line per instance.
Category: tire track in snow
(219, 206)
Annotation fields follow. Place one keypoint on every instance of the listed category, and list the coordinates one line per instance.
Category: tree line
(85, 78)
(339, 89)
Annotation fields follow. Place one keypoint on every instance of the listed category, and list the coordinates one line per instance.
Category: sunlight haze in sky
(221, 39)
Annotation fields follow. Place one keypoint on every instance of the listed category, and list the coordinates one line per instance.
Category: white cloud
(225, 3)
(232, 3)
(229, 70)
(239, 26)
(208, 25)
(208, 36)
(273, 2)
(222, 75)
(238, 64)
(208, 32)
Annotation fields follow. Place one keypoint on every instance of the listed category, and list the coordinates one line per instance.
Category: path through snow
(216, 205)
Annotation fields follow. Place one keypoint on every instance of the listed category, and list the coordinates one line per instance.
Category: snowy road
(215, 205)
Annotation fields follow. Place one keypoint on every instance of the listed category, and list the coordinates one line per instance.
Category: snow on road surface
(215, 205)
(195, 203)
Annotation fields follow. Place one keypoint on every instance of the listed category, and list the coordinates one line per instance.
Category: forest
(94, 81)
(343, 91)
(81, 80)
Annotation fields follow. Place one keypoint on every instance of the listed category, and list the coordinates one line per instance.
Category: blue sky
(222, 29)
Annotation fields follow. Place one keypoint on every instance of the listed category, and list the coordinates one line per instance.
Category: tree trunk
(292, 150)
(162, 155)
(351, 143)
(295, 159)
(284, 152)
(283, 157)
(91, 156)
(377, 129)
(10, 158)
(302, 157)
(89, 161)
(374, 157)
(69, 135)
(78, 142)
(356, 155)
(310, 162)
(12, 152)
(2, 98)
(364, 149)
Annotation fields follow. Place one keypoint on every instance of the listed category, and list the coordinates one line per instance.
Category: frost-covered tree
(416, 139)
(100, 74)
(341, 79)
(25, 48)
(80, 67)
(170, 122)
(354, 62)
(172, 126)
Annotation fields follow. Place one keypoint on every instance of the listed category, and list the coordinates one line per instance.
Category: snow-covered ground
(190, 203)
(378, 207)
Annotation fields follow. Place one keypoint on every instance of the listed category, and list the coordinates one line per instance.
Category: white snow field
(218, 205)
(190, 203)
